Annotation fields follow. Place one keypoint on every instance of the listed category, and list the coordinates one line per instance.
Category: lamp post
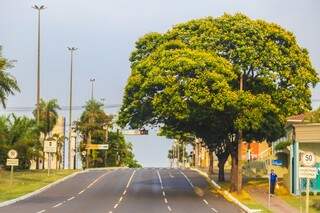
(71, 49)
(239, 169)
(38, 8)
(92, 80)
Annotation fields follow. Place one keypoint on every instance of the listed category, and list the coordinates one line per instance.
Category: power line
(62, 108)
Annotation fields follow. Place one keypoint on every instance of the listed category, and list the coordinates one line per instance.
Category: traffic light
(143, 132)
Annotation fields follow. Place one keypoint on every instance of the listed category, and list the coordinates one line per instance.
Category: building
(57, 160)
(304, 136)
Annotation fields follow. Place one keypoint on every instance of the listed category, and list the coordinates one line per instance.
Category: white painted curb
(230, 196)
(23, 197)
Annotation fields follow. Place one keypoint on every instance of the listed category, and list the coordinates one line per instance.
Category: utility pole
(92, 80)
(183, 161)
(38, 8)
(239, 168)
(71, 49)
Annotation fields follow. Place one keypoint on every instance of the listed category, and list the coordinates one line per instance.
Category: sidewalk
(277, 205)
(260, 195)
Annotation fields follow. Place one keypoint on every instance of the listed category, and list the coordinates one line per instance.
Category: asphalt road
(148, 190)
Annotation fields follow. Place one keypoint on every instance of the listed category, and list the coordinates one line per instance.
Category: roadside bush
(316, 204)
(282, 145)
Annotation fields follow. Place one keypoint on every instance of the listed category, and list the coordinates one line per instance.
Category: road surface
(147, 190)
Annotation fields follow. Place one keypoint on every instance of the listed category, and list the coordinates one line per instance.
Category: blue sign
(277, 162)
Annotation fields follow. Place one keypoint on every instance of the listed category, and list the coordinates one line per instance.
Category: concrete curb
(23, 197)
(226, 194)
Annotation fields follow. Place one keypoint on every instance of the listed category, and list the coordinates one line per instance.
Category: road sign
(97, 146)
(12, 162)
(135, 132)
(308, 159)
(50, 146)
(12, 154)
(308, 172)
(277, 162)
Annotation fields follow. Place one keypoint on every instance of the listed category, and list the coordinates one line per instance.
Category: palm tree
(48, 117)
(60, 141)
(8, 84)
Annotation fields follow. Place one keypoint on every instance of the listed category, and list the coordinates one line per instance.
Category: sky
(105, 32)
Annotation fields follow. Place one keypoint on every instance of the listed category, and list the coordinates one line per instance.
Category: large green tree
(188, 79)
(120, 152)
(8, 84)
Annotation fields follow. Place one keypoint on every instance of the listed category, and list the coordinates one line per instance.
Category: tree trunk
(37, 162)
(222, 159)
(210, 163)
(233, 174)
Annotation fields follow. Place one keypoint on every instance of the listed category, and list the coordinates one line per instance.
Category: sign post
(50, 147)
(309, 172)
(12, 161)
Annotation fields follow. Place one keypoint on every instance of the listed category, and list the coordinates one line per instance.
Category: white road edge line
(41, 211)
(125, 191)
(81, 192)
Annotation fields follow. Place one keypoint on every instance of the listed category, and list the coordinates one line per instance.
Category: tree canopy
(187, 79)
(197, 65)
(8, 84)
(21, 134)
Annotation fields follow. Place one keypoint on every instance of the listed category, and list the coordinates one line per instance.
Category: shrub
(282, 145)
(316, 204)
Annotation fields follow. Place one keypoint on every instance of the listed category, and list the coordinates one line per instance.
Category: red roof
(296, 118)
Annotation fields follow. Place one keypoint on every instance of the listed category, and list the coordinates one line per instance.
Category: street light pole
(71, 49)
(92, 80)
(239, 168)
(38, 8)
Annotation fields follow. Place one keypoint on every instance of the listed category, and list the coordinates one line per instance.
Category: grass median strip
(27, 181)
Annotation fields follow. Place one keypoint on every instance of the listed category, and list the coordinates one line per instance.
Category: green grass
(244, 197)
(27, 181)
(283, 193)
(300, 202)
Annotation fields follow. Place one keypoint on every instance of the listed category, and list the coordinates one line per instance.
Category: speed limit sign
(308, 159)
(12, 154)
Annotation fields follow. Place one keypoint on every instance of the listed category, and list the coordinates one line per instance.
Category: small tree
(47, 120)
(92, 127)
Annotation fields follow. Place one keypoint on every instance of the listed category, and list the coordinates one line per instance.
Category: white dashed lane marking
(57, 205)
(125, 191)
(189, 181)
(71, 198)
(213, 209)
(41, 211)
(163, 192)
(191, 184)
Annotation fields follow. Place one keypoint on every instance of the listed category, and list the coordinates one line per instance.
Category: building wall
(255, 149)
(59, 129)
